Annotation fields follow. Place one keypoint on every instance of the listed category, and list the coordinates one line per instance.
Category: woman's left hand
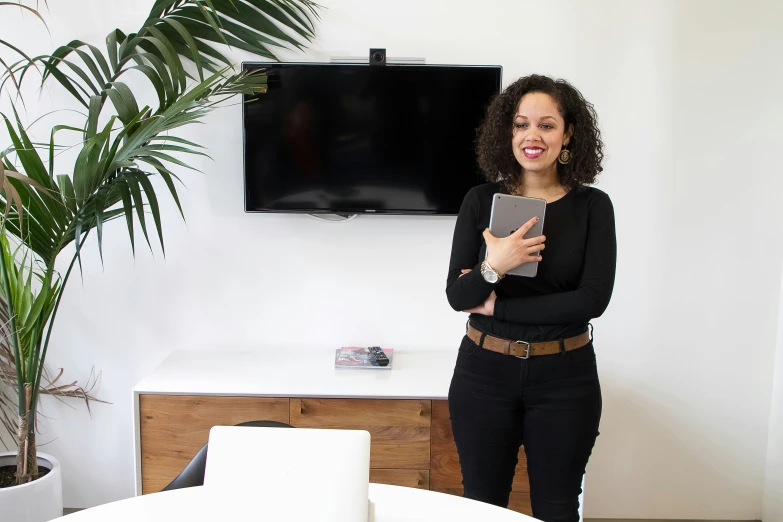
(487, 308)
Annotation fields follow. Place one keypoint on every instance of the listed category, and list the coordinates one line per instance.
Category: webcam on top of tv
(377, 56)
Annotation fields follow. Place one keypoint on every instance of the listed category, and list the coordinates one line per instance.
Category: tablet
(511, 212)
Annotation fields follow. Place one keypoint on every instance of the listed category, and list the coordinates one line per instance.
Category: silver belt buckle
(527, 350)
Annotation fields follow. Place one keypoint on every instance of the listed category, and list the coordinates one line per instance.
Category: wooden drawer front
(400, 429)
(175, 427)
(411, 478)
(445, 474)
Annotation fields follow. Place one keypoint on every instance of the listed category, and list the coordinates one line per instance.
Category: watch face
(490, 276)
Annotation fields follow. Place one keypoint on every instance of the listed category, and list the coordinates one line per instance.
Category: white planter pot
(37, 501)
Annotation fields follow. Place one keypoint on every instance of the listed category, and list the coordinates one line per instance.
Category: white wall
(688, 95)
(773, 485)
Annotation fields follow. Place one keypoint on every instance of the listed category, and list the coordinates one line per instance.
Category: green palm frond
(175, 33)
(41, 216)
(30, 298)
(113, 168)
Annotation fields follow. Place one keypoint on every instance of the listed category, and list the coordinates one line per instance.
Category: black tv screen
(354, 138)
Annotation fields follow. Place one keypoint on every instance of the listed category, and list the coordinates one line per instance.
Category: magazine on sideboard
(360, 358)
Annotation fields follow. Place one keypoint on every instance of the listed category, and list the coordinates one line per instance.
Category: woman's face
(539, 133)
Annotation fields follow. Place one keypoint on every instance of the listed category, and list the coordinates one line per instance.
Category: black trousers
(549, 403)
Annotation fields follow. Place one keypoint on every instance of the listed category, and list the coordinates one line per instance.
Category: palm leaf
(34, 212)
(178, 30)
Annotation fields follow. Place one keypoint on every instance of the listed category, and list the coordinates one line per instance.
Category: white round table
(200, 504)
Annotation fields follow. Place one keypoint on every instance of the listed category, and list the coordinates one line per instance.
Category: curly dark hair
(493, 143)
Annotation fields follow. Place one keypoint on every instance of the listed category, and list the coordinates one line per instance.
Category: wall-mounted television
(359, 138)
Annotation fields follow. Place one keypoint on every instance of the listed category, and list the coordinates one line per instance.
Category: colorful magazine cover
(360, 358)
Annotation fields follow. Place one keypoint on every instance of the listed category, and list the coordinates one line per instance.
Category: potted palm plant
(123, 146)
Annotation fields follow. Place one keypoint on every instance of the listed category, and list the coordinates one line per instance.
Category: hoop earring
(564, 157)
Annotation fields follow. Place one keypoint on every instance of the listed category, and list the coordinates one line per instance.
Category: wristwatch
(489, 274)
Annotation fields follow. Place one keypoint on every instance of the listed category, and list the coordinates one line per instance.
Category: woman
(526, 370)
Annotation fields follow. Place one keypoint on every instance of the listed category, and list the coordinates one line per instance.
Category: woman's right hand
(504, 254)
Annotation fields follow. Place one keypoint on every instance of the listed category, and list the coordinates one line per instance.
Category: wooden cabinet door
(175, 427)
(445, 474)
(411, 478)
(399, 429)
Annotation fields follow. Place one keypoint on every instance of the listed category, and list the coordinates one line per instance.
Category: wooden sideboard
(412, 443)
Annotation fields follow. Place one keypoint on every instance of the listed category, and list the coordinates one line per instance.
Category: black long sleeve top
(575, 277)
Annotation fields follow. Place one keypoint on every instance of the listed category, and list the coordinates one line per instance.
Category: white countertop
(416, 374)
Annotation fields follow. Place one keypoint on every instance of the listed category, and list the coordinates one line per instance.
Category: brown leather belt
(523, 349)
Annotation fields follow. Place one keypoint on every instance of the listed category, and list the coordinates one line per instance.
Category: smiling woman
(507, 115)
(526, 370)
